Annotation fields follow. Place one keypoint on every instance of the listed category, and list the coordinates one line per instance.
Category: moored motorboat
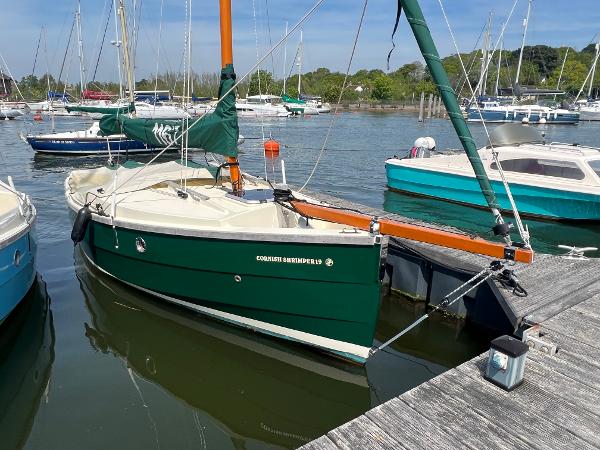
(299, 107)
(9, 113)
(590, 112)
(548, 180)
(17, 247)
(495, 112)
(261, 106)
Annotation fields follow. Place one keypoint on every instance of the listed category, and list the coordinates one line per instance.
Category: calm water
(88, 363)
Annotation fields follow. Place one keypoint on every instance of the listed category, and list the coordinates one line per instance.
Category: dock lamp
(506, 362)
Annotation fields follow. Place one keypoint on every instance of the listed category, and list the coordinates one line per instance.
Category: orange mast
(226, 59)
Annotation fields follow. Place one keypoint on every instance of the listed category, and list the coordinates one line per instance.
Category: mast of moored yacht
(299, 63)
(285, 59)
(80, 49)
(485, 49)
(497, 87)
(525, 26)
(589, 94)
(117, 46)
(227, 60)
(126, 56)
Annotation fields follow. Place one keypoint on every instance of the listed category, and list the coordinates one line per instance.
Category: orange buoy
(38, 116)
(271, 147)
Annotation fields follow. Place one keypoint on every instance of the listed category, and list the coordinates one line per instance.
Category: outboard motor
(422, 148)
(80, 225)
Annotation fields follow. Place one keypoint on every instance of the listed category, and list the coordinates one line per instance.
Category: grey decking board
(321, 443)
(543, 402)
(570, 366)
(452, 415)
(577, 325)
(511, 415)
(362, 433)
(409, 426)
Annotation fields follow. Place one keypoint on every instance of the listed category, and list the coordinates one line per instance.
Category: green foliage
(382, 87)
(267, 84)
(541, 68)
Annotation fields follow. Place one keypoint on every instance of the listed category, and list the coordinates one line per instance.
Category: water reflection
(254, 388)
(545, 235)
(26, 358)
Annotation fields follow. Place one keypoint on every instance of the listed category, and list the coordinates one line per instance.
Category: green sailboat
(228, 245)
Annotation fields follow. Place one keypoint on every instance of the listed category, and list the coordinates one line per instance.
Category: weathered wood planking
(558, 405)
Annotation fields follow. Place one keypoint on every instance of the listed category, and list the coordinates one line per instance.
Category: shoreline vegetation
(395, 89)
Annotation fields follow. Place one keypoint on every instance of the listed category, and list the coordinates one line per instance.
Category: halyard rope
(337, 106)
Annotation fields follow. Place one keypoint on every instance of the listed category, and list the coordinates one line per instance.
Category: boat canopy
(95, 95)
(286, 98)
(114, 110)
(514, 134)
(216, 133)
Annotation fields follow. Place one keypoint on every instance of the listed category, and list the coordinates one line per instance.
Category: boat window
(546, 167)
(595, 165)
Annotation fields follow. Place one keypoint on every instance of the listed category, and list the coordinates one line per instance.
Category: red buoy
(272, 147)
(38, 116)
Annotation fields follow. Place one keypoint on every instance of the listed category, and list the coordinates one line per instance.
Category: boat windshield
(595, 165)
(514, 134)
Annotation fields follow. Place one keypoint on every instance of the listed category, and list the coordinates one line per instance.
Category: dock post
(422, 107)
(429, 106)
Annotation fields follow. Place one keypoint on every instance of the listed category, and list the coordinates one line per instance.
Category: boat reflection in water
(26, 358)
(238, 382)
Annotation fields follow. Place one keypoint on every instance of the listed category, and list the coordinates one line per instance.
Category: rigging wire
(36, 52)
(270, 41)
(262, 119)
(160, 24)
(523, 232)
(102, 43)
(335, 112)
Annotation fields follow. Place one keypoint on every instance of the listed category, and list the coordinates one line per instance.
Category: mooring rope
(480, 277)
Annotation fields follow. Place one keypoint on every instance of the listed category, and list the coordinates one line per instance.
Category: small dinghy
(17, 247)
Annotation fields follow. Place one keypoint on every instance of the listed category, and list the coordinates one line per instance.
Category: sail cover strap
(398, 14)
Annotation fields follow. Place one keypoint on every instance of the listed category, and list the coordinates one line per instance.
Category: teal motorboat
(547, 180)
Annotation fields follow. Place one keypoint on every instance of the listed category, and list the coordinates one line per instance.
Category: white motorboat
(553, 181)
(590, 112)
(495, 112)
(9, 113)
(261, 106)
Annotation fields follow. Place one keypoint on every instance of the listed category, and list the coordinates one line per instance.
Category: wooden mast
(227, 59)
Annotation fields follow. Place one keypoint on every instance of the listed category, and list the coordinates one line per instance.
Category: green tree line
(541, 69)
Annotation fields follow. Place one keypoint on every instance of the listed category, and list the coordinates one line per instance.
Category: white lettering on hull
(291, 260)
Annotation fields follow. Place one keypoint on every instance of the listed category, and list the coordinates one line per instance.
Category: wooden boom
(414, 232)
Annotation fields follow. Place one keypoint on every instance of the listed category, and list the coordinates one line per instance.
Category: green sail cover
(106, 110)
(216, 133)
(286, 98)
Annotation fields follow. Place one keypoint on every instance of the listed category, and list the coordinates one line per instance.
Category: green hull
(325, 290)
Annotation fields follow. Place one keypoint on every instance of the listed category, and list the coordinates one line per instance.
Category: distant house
(5, 85)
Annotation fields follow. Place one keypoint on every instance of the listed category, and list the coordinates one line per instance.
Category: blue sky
(327, 36)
